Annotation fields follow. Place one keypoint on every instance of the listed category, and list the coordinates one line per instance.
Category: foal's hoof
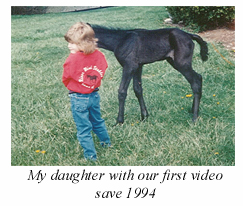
(144, 118)
(118, 123)
(194, 119)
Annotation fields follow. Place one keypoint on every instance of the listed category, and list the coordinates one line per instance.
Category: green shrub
(202, 17)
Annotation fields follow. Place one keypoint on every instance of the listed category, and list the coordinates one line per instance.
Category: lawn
(42, 128)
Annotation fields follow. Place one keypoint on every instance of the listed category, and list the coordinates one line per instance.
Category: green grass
(40, 110)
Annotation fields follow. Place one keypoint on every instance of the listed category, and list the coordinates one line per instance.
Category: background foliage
(202, 17)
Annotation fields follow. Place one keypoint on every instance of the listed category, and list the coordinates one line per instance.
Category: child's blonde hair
(83, 35)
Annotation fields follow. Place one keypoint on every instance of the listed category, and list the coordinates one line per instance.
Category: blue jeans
(86, 114)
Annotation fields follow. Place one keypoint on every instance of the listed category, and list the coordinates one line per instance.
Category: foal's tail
(203, 45)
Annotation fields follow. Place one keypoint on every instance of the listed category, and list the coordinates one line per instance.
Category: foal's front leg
(122, 93)
(138, 90)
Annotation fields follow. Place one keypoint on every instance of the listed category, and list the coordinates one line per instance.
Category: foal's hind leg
(138, 90)
(195, 81)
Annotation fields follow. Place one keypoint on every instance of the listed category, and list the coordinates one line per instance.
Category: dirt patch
(226, 36)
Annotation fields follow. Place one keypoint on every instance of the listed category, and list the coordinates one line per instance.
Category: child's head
(83, 36)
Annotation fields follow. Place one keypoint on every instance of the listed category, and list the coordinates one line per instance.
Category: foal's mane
(110, 28)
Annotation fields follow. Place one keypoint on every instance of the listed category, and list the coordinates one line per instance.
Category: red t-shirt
(83, 73)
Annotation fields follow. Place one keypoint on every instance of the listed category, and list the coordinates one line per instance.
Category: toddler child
(83, 70)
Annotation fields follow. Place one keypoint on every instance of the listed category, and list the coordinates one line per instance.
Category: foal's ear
(89, 24)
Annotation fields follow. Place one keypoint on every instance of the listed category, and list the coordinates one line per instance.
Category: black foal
(134, 48)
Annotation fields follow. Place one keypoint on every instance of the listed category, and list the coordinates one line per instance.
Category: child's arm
(65, 76)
